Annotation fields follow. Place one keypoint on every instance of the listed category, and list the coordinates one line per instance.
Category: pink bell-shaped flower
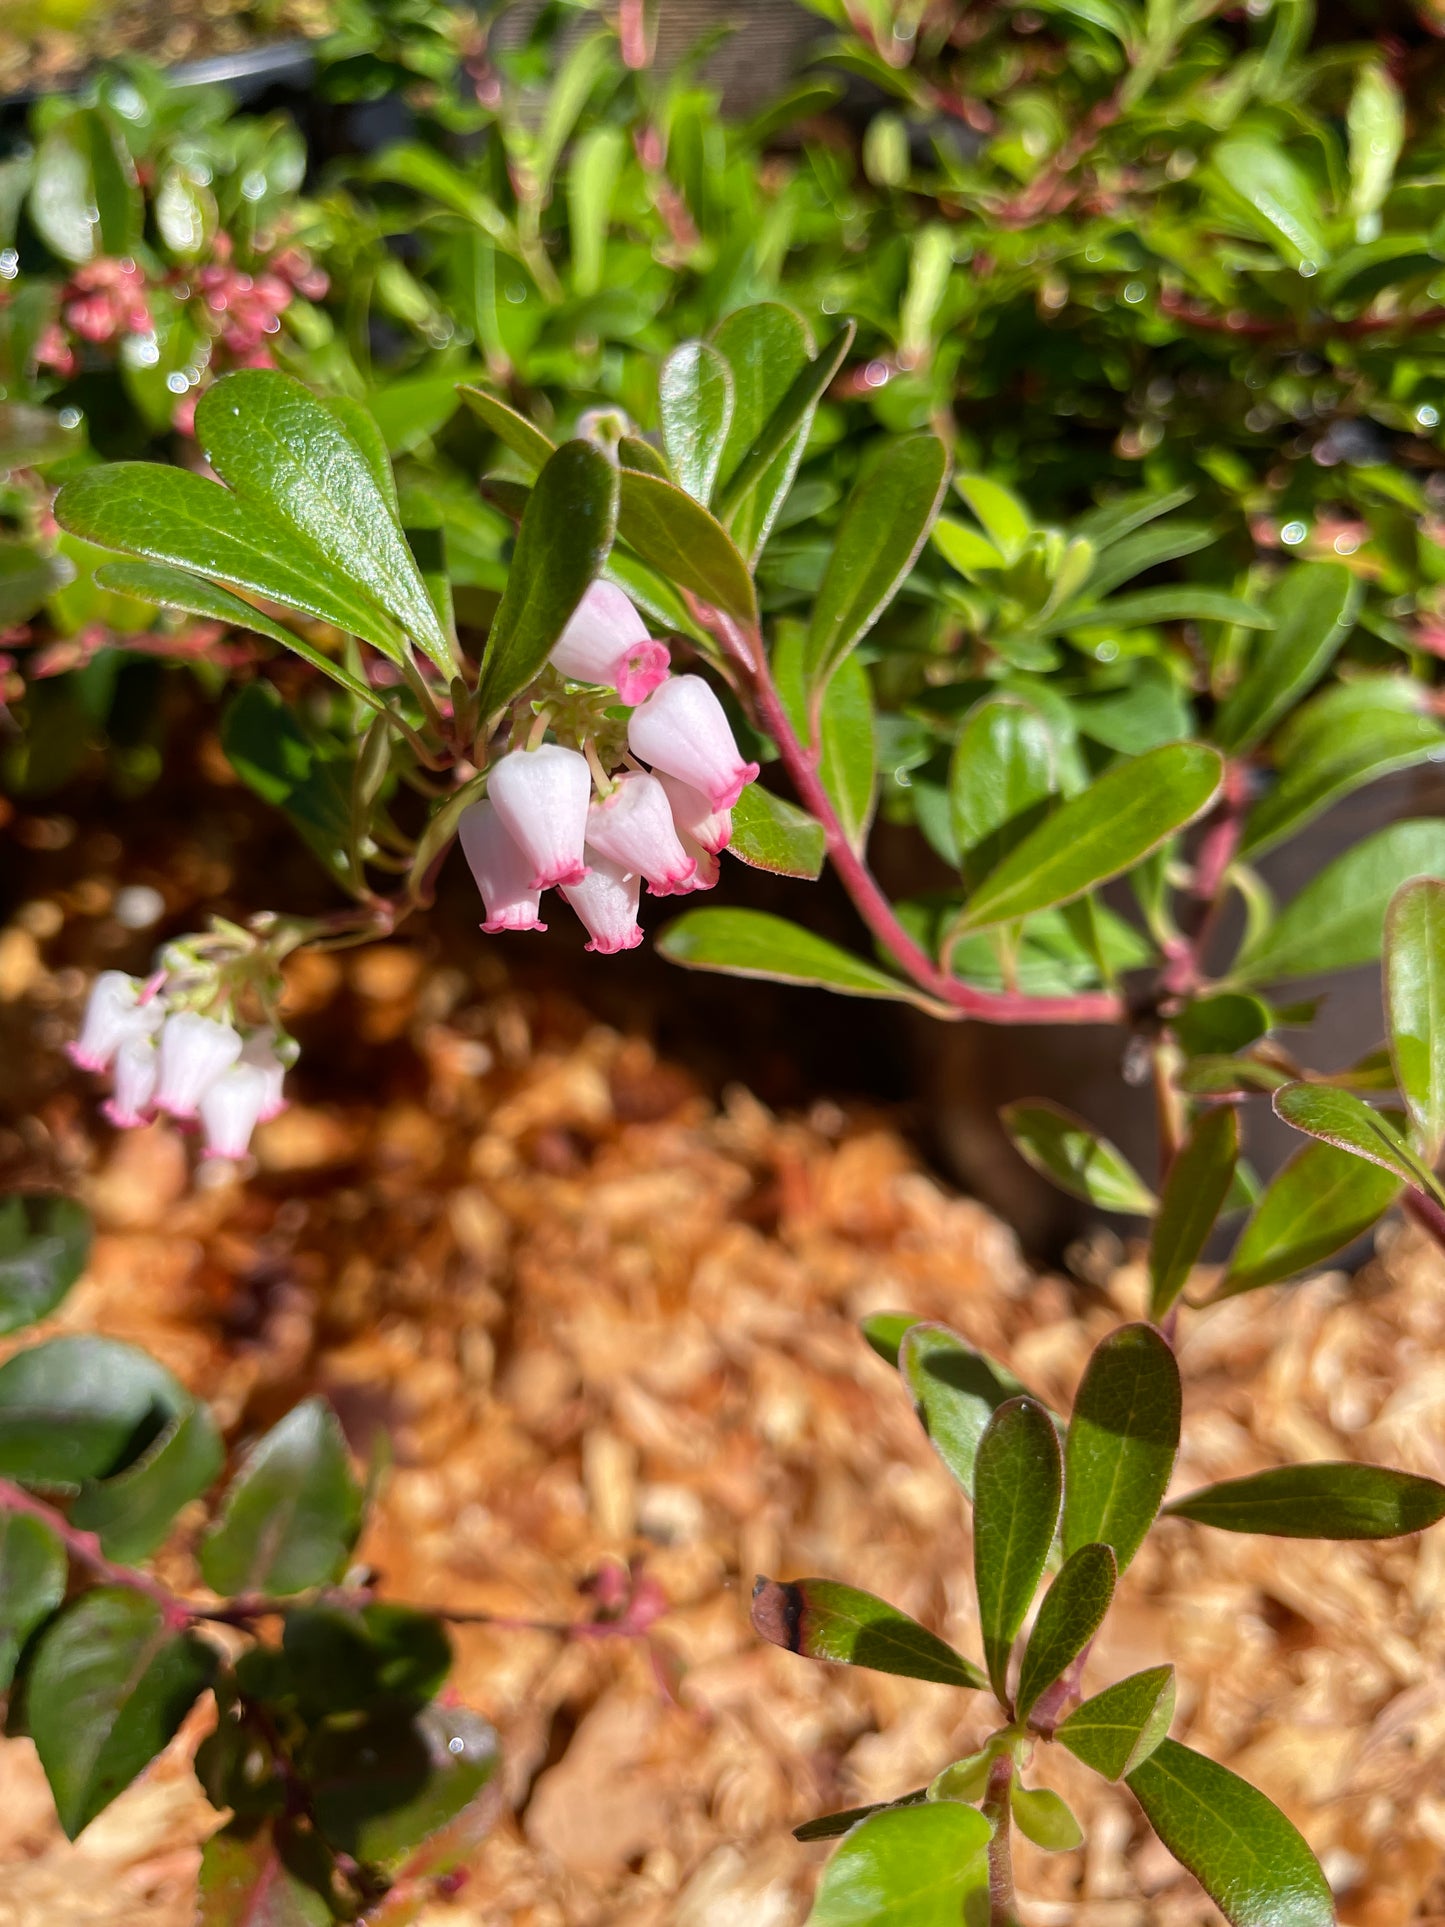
(231, 1107)
(195, 1051)
(695, 816)
(114, 1012)
(634, 828)
(137, 1068)
(259, 1053)
(682, 731)
(606, 900)
(503, 874)
(607, 642)
(708, 868)
(541, 797)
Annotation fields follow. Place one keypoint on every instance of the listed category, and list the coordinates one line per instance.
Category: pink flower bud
(195, 1051)
(681, 730)
(113, 1013)
(606, 900)
(541, 797)
(606, 642)
(259, 1052)
(633, 827)
(695, 816)
(502, 872)
(137, 1066)
(231, 1106)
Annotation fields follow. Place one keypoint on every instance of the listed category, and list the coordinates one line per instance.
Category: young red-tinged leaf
(956, 1391)
(832, 1826)
(1314, 608)
(134, 1511)
(1121, 1442)
(769, 833)
(382, 1787)
(684, 543)
(767, 346)
(81, 1408)
(915, 1866)
(1068, 1151)
(1045, 1818)
(44, 1245)
(1195, 1188)
(1249, 1859)
(566, 533)
(514, 431)
(695, 401)
(1127, 812)
(1002, 774)
(1415, 1004)
(1073, 1611)
(292, 1513)
(823, 1620)
(752, 943)
(1322, 1200)
(1018, 1482)
(110, 1684)
(32, 1584)
(1318, 1501)
(1118, 1729)
(1340, 1118)
(246, 1881)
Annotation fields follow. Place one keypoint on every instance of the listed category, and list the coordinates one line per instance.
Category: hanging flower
(634, 828)
(137, 1069)
(231, 1107)
(607, 642)
(195, 1051)
(502, 872)
(118, 1008)
(541, 797)
(682, 731)
(695, 816)
(606, 900)
(259, 1052)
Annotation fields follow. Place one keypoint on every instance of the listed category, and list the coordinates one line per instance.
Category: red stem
(1426, 1213)
(84, 1547)
(1002, 1901)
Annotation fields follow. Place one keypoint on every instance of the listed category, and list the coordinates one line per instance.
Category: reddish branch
(1287, 327)
(1002, 1902)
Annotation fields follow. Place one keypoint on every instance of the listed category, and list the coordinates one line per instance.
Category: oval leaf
(823, 1620)
(684, 543)
(770, 833)
(695, 401)
(913, 1866)
(788, 426)
(292, 1513)
(1322, 1200)
(81, 1408)
(1414, 1001)
(1118, 1729)
(1314, 608)
(1340, 1118)
(1324, 1501)
(33, 1570)
(1003, 773)
(44, 1245)
(1045, 1818)
(1066, 1150)
(751, 943)
(1018, 1482)
(767, 346)
(1073, 1611)
(1197, 1183)
(246, 1880)
(1121, 1442)
(956, 1391)
(133, 1512)
(514, 431)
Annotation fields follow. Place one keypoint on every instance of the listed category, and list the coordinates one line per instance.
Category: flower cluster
(556, 817)
(165, 1056)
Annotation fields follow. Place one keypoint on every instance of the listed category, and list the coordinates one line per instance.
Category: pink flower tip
(497, 926)
(645, 666)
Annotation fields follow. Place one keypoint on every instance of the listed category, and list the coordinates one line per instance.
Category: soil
(605, 1303)
(39, 58)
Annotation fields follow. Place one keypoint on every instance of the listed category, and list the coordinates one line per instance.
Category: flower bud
(681, 730)
(541, 797)
(231, 1107)
(137, 1067)
(501, 871)
(114, 1012)
(606, 901)
(195, 1051)
(695, 816)
(607, 642)
(633, 827)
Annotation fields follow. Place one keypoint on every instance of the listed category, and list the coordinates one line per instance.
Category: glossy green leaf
(832, 1826)
(1376, 124)
(1121, 1442)
(44, 1247)
(1314, 608)
(1318, 1501)
(303, 774)
(1118, 820)
(566, 533)
(596, 165)
(963, 548)
(1322, 1200)
(110, 1684)
(767, 346)
(33, 1570)
(635, 453)
(84, 200)
(1118, 1729)
(254, 1874)
(1195, 1187)
(823, 1620)
(842, 725)
(1004, 518)
(1044, 1817)
(1229, 1076)
(81, 1408)
(695, 401)
(956, 1391)
(1146, 606)
(292, 1512)
(1072, 1612)
(684, 543)
(514, 431)
(788, 426)
(752, 943)
(1340, 1118)
(387, 1783)
(1414, 1003)
(1224, 1021)
(908, 1866)
(1003, 773)
(1066, 1150)
(1264, 182)
(1249, 1859)
(133, 1512)
(1018, 1483)
(885, 524)
(769, 833)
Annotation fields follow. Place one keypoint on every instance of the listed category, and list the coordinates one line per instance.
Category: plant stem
(1426, 1213)
(1002, 1904)
(85, 1549)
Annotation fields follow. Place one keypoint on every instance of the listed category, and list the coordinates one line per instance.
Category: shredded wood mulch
(604, 1318)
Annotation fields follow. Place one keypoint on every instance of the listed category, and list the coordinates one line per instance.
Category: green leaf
(823, 1620)
(1003, 773)
(1265, 184)
(30, 437)
(1121, 1442)
(84, 200)
(956, 1391)
(1118, 1729)
(1338, 919)
(963, 548)
(842, 727)
(908, 1866)
(1322, 1200)
(1376, 124)
(885, 525)
(695, 401)
(110, 1685)
(1224, 1021)
(1186, 604)
(684, 543)
(1066, 1150)
(1003, 516)
(1042, 1816)
(1229, 1077)
(514, 431)
(133, 1512)
(1319, 1501)
(306, 776)
(292, 1513)
(28, 579)
(767, 346)
(1314, 608)
(32, 1584)
(1018, 1482)
(592, 177)
(751, 943)
(384, 1785)
(254, 1875)
(832, 1826)
(770, 833)
(633, 452)
(1340, 1118)
(81, 1408)
(788, 426)
(1197, 1183)
(1248, 1858)
(1414, 1001)
(1109, 827)
(44, 1247)
(1072, 1612)
(566, 533)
